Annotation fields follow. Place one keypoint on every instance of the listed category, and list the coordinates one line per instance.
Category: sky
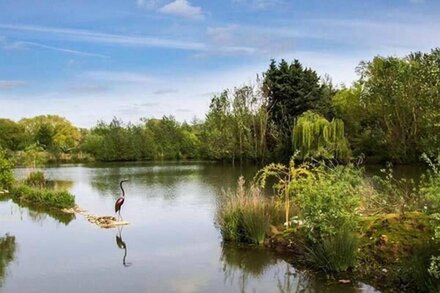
(95, 60)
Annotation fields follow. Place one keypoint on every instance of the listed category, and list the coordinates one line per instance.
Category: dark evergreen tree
(291, 90)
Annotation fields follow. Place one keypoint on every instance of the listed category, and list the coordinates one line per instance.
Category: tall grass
(36, 179)
(244, 215)
(334, 253)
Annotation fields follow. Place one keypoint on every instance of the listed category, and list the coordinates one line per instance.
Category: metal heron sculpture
(120, 201)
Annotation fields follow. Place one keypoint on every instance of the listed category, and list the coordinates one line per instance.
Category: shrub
(6, 175)
(330, 200)
(333, 253)
(36, 179)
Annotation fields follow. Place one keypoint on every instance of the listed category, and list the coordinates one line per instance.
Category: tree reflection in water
(246, 263)
(7, 254)
(39, 213)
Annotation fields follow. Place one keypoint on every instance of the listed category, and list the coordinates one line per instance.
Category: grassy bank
(42, 196)
(336, 220)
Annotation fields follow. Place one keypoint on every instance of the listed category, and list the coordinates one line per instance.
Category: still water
(171, 244)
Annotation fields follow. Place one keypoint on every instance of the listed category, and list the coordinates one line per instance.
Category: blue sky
(91, 60)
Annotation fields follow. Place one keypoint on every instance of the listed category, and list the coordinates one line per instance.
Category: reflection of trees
(7, 254)
(250, 260)
(38, 213)
(166, 176)
(59, 184)
(241, 264)
(244, 262)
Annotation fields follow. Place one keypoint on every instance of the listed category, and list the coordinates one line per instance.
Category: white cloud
(64, 50)
(182, 8)
(105, 38)
(11, 84)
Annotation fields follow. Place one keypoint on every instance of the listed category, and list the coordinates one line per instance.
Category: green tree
(6, 175)
(291, 90)
(12, 135)
(402, 94)
(316, 137)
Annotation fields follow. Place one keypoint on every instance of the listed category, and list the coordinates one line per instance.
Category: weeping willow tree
(316, 137)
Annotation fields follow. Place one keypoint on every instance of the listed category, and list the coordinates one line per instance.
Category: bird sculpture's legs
(120, 217)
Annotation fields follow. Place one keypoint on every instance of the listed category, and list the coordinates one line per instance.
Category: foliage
(397, 194)
(36, 179)
(32, 156)
(334, 253)
(244, 215)
(286, 178)
(329, 200)
(316, 137)
(235, 126)
(6, 175)
(389, 113)
(430, 185)
(12, 135)
(401, 95)
(291, 90)
(51, 132)
(43, 197)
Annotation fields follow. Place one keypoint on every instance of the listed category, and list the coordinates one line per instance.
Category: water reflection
(59, 184)
(7, 254)
(39, 213)
(122, 245)
(243, 265)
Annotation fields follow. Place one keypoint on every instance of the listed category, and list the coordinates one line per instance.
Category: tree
(403, 95)
(52, 132)
(316, 137)
(12, 135)
(6, 175)
(291, 90)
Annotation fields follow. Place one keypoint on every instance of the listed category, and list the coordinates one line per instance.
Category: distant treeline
(390, 113)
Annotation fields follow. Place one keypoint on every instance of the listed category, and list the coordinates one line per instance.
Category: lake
(171, 243)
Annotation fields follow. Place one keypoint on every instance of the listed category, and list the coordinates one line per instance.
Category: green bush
(36, 179)
(6, 175)
(333, 253)
(45, 197)
(329, 200)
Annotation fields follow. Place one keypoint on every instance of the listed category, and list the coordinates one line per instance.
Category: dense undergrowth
(337, 220)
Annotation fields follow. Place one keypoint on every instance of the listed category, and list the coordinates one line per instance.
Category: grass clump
(244, 215)
(334, 253)
(36, 179)
(44, 197)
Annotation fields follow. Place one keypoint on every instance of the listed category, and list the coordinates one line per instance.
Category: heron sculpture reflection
(121, 244)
